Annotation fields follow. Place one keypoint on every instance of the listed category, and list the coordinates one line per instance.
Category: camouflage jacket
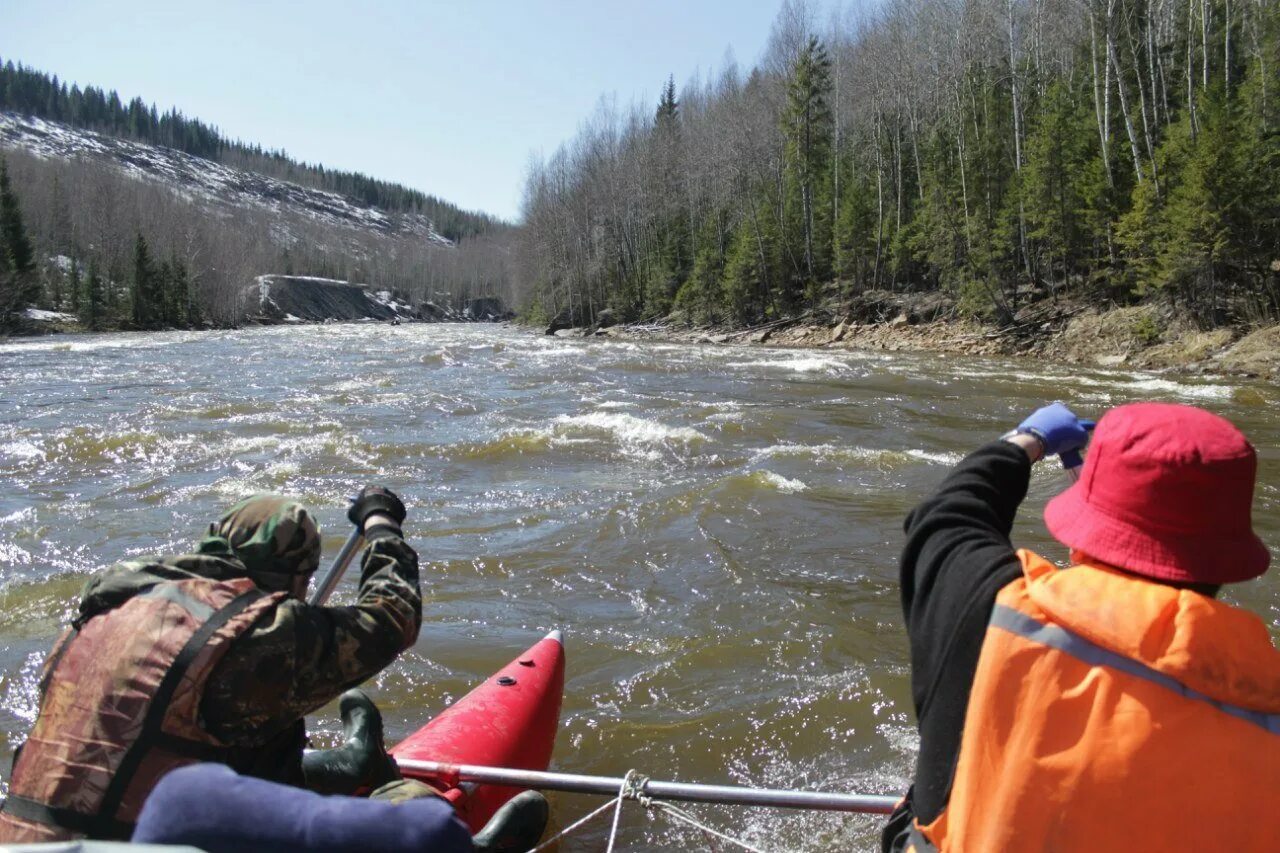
(298, 657)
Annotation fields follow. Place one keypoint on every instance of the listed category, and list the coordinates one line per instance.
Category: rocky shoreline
(1145, 337)
(285, 300)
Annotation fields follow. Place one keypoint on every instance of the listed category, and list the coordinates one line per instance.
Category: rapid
(715, 529)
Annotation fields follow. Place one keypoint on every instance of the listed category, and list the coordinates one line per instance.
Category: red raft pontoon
(508, 721)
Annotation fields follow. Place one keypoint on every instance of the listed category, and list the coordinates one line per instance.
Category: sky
(451, 98)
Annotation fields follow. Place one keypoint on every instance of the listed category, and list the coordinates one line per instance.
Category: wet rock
(567, 319)
(433, 313)
(34, 321)
(487, 309)
(274, 299)
(1258, 353)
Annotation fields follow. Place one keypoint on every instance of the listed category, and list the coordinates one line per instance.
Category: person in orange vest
(214, 656)
(1112, 705)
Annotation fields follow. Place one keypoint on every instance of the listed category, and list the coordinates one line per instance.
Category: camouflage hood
(274, 537)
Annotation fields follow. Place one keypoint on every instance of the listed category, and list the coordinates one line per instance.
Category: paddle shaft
(330, 580)
(682, 791)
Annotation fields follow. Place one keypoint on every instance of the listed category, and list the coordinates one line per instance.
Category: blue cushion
(211, 807)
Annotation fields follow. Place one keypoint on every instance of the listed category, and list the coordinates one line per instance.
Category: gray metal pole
(330, 580)
(683, 791)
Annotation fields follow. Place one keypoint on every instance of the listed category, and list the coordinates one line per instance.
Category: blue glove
(1058, 429)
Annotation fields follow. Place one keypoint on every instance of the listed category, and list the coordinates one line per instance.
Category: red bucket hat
(1166, 492)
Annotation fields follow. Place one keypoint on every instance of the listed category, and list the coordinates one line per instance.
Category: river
(715, 529)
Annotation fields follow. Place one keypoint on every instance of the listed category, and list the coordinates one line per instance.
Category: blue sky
(448, 97)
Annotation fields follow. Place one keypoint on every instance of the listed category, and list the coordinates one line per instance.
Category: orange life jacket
(120, 707)
(1113, 713)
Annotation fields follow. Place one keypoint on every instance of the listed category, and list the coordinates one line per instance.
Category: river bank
(285, 300)
(1147, 337)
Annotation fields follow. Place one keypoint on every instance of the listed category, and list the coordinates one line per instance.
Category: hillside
(130, 219)
(205, 180)
(28, 92)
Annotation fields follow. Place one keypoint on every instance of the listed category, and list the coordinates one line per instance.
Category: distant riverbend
(715, 528)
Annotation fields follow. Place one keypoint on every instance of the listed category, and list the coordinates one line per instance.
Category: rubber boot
(362, 761)
(516, 827)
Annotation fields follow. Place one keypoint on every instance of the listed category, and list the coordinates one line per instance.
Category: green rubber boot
(516, 827)
(362, 761)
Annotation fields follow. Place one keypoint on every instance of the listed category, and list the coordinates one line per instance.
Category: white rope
(681, 814)
(632, 788)
(568, 829)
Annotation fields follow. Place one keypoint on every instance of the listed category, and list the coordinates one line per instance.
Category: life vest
(120, 707)
(1110, 712)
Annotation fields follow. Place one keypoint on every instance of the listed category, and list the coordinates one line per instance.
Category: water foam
(636, 436)
(798, 364)
(1178, 389)
(781, 483)
(853, 453)
(149, 341)
(23, 451)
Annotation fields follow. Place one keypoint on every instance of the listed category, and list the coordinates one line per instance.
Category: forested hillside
(996, 150)
(31, 92)
(129, 219)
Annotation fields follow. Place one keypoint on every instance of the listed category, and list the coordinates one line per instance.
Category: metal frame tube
(329, 582)
(680, 791)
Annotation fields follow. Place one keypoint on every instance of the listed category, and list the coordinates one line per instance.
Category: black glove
(374, 500)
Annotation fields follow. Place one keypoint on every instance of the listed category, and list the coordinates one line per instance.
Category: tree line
(998, 151)
(35, 93)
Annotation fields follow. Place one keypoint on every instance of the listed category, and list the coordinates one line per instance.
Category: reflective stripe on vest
(1105, 704)
(1059, 638)
(120, 708)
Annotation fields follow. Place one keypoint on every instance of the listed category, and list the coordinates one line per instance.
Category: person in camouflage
(305, 656)
(215, 655)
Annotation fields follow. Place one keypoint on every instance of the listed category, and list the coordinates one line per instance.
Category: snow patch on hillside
(206, 181)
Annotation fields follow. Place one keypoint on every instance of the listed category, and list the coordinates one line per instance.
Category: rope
(682, 815)
(633, 788)
(571, 827)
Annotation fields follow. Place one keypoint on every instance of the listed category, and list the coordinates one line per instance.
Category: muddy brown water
(715, 529)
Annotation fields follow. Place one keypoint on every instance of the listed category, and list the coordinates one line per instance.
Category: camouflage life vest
(120, 707)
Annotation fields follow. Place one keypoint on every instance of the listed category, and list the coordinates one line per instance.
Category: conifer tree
(91, 305)
(1058, 152)
(180, 309)
(74, 285)
(744, 277)
(1206, 211)
(143, 287)
(19, 286)
(808, 126)
(669, 265)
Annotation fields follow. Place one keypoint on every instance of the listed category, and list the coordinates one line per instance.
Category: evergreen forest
(996, 151)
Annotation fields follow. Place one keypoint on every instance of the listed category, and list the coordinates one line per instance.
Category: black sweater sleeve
(956, 558)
